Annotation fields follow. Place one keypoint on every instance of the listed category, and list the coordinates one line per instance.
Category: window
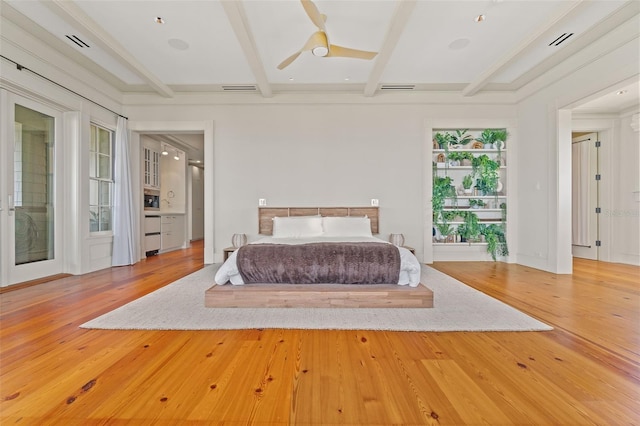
(100, 179)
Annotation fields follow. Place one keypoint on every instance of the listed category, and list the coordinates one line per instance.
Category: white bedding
(409, 265)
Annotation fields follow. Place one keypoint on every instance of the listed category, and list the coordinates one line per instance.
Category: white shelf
(460, 167)
(470, 150)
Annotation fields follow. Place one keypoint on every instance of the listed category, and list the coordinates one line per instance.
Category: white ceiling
(205, 45)
(219, 45)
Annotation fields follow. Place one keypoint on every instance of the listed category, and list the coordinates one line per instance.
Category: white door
(30, 220)
(584, 194)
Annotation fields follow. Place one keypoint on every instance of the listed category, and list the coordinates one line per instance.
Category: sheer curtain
(580, 159)
(123, 209)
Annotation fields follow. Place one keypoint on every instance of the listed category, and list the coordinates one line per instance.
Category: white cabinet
(469, 224)
(172, 232)
(151, 167)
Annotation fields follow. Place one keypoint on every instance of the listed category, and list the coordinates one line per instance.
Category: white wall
(544, 141)
(625, 214)
(318, 154)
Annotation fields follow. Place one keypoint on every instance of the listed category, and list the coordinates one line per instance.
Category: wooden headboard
(266, 215)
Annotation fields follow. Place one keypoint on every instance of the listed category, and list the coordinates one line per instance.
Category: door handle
(12, 207)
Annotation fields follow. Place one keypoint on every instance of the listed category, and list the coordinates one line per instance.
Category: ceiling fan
(319, 44)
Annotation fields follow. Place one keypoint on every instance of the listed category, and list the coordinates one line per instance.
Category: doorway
(585, 191)
(30, 229)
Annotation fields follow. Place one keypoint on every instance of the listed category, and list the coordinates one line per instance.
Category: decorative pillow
(297, 226)
(350, 226)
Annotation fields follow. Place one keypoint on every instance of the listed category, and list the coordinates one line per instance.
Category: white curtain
(123, 208)
(580, 160)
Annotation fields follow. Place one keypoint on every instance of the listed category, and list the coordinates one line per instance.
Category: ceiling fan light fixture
(320, 51)
(158, 20)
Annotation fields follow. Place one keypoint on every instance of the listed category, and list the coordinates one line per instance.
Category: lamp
(177, 156)
(396, 239)
(238, 240)
(164, 150)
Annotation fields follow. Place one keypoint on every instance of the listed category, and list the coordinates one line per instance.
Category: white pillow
(351, 226)
(297, 226)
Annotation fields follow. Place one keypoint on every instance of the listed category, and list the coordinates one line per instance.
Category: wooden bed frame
(266, 215)
(317, 295)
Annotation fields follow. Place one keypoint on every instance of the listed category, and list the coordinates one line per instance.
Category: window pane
(93, 219)
(93, 192)
(105, 218)
(105, 141)
(94, 138)
(104, 163)
(93, 165)
(105, 193)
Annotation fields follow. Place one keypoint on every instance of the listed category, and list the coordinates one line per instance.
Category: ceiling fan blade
(345, 52)
(314, 14)
(317, 39)
(290, 59)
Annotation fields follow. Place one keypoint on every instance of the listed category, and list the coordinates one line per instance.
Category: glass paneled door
(31, 249)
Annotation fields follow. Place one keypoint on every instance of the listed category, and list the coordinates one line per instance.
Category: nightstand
(411, 249)
(227, 252)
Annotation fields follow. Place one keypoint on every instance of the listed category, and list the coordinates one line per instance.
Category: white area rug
(180, 306)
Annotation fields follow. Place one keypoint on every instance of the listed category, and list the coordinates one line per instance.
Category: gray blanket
(317, 263)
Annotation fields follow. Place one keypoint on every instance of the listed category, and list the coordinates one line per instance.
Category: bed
(320, 257)
(317, 239)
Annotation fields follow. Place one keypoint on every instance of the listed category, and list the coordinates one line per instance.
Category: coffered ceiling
(236, 46)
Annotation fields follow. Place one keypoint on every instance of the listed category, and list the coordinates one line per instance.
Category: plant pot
(467, 191)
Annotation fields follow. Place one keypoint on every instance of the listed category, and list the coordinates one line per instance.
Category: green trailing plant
(486, 172)
(503, 208)
(473, 203)
(501, 136)
(470, 229)
(442, 189)
(496, 240)
(460, 155)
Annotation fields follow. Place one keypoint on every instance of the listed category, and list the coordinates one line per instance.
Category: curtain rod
(22, 67)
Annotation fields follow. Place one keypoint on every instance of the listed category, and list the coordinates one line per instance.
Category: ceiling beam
(76, 17)
(508, 59)
(238, 19)
(396, 28)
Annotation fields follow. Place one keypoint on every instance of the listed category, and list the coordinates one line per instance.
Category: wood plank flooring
(585, 371)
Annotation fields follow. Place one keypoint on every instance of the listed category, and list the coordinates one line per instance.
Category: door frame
(9, 272)
(606, 129)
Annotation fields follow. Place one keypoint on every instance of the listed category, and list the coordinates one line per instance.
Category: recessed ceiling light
(290, 78)
(178, 44)
(621, 92)
(479, 18)
(159, 20)
(347, 79)
(460, 43)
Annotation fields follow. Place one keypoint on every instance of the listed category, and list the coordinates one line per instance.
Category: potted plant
(467, 182)
(461, 137)
(443, 140)
(488, 138)
(476, 204)
(501, 138)
(470, 229)
(445, 230)
(496, 240)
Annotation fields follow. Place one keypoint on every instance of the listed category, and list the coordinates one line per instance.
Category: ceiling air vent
(397, 87)
(240, 88)
(560, 39)
(77, 40)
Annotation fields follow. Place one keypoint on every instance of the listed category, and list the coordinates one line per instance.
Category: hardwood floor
(585, 371)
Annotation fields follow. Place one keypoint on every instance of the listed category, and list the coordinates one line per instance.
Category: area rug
(180, 306)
